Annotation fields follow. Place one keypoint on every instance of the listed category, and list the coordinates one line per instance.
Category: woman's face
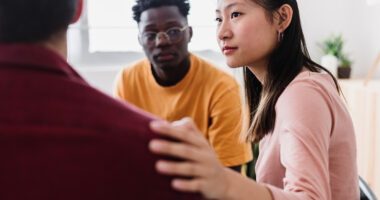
(245, 34)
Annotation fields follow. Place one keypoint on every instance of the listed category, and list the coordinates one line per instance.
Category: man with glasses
(173, 83)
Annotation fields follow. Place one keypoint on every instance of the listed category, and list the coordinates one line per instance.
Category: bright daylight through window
(111, 27)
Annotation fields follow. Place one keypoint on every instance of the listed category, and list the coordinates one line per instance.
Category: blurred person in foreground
(59, 137)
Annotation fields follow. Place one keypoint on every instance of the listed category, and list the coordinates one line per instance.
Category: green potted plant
(333, 45)
(344, 69)
(335, 60)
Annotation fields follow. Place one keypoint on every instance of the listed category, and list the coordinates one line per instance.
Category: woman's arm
(208, 176)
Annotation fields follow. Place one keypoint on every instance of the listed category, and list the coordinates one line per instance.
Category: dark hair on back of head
(27, 21)
(142, 5)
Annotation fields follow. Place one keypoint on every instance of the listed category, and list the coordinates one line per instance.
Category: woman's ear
(283, 17)
(78, 11)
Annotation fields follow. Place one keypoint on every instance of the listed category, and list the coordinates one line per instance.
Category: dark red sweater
(62, 139)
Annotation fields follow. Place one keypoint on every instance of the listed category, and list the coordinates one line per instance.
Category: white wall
(358, 22)
(354, 19)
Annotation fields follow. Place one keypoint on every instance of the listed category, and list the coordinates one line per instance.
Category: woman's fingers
(186, 123)
(175, 149)
(186, 169)
(185, 185)
(178, 132)
(199, 160)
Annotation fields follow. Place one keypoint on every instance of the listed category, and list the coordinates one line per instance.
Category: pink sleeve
(304, 112)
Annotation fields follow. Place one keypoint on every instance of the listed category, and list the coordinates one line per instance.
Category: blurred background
(106, 37)
(339, 33)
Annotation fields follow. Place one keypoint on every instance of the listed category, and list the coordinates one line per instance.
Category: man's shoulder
(137, 66)
(107, 112)
(70, 102)
(209, 69)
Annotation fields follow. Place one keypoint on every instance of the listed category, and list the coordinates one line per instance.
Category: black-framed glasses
(174, 35)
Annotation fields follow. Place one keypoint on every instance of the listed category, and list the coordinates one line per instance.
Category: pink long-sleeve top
(311, 153)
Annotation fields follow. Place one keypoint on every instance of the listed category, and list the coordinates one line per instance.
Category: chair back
(365, 191)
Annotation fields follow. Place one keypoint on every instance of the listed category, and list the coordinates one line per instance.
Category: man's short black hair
(34, 20)
(142, 5)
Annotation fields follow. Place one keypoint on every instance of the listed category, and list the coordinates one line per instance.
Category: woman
(307, 142)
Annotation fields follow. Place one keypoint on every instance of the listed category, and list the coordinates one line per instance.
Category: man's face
(164, 51)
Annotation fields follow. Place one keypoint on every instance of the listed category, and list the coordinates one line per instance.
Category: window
(111, 27)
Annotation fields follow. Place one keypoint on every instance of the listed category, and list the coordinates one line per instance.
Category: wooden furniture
(372, 70)
(363, 102)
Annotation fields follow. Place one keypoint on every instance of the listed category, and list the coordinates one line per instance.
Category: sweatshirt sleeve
(306, 117)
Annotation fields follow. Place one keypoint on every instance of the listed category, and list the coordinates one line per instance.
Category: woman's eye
(235, 14)
(218, 19)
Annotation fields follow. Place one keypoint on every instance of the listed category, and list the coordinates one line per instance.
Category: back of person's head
(26, 21)
(285, 63)
(142, 5)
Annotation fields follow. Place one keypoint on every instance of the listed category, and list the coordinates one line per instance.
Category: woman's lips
(229, 50)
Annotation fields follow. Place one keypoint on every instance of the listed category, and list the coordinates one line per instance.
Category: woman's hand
(207, 174)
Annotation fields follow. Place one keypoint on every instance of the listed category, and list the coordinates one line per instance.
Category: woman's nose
(223, 32)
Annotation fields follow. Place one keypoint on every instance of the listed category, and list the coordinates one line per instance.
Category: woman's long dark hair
(285, 63)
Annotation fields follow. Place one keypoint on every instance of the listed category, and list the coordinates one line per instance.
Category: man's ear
(78, 11)
(283, 17)
(190, 33)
